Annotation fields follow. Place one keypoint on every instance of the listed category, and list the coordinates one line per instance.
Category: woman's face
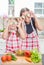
(27, 16)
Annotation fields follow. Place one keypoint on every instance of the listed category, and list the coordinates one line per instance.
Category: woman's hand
(32, 14)
(37, 24)
(19, 22)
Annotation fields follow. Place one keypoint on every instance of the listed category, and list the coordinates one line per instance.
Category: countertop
(42, 59)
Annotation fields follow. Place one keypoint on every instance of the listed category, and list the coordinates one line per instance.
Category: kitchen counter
(21, 61)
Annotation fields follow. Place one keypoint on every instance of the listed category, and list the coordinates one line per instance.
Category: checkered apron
(12, 42)
(31, 41)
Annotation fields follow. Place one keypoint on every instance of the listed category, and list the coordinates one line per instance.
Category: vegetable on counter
(36, 56)
(3, 58)
(33, 56)
(27, 53)
(28, 59)
(19, 52)
(23, 53)
(30, 56)
(8, 57)
(13, 57)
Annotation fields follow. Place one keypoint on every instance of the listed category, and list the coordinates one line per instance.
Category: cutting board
(20, 61)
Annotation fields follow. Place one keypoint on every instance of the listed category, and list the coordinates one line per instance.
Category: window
(38, 11)
(43, 5)
(39, 8)
(38, 5)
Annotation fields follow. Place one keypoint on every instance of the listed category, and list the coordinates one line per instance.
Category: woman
(31, 24)
(9, 34)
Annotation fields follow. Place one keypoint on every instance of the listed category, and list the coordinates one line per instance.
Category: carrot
(28, 59)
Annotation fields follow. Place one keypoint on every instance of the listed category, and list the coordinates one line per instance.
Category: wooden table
(20, 61)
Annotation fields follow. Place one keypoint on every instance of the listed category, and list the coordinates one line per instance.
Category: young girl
(9, 34)
(31, 24)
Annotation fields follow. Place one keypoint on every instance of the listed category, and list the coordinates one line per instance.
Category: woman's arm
(21, 31)
(37, 24)
(23, 27)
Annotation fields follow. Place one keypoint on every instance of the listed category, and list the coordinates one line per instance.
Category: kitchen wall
(3, 7)
(41, 21)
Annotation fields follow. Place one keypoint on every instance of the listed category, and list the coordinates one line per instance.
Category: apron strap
(33, 27)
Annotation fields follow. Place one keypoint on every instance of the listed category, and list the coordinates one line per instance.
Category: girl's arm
(10, 27)
(5, 33)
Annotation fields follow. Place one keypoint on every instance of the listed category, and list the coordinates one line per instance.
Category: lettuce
(36, 56)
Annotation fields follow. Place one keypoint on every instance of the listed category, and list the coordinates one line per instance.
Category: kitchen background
(11, 8)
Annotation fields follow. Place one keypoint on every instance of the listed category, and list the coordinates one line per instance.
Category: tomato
(3, 58)
(27, 53)
(30, 53)
(9, 57)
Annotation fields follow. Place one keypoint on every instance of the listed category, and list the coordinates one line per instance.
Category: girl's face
(27, 16)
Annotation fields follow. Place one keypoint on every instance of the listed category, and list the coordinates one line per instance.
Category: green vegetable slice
(13, 57)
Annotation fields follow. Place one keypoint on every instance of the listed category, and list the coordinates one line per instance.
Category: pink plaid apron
(14, 43)
(31, 41)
